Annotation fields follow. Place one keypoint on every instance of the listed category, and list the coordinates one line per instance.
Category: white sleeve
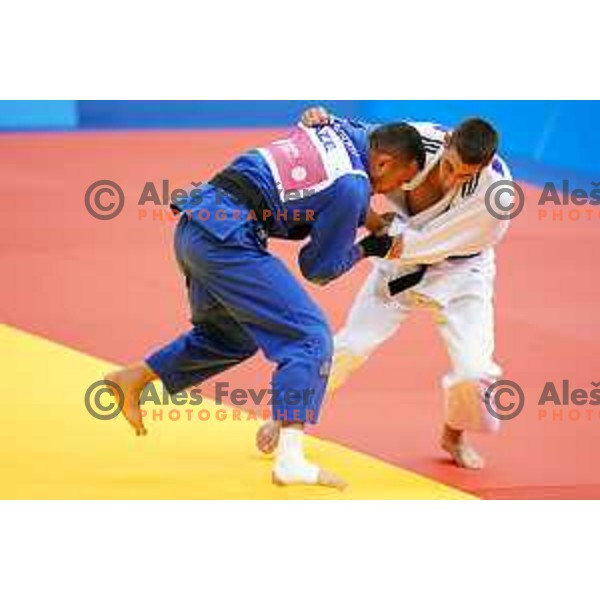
(464, 229)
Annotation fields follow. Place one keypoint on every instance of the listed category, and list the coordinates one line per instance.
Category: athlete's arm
(332, 249)
(462, 230)
(317, 115)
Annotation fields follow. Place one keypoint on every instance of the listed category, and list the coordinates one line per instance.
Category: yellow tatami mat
(51, 447)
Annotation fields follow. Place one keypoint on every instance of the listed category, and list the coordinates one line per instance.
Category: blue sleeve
(355, 124)
(331, 250)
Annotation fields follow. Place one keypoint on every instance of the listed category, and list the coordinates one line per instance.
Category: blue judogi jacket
(315, 183)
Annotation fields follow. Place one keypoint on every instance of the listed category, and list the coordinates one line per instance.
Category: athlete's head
(396, 155)
(469, 148)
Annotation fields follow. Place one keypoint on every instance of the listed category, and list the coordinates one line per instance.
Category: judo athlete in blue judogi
(314, 184)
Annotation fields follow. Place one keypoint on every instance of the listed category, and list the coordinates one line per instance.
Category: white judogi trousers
(459, 293)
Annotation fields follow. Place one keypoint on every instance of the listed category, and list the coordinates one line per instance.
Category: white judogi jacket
(458, 225)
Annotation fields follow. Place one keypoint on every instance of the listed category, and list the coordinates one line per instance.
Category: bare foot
(465, 456)
(131, 381)
(329, 479)
(267, 436)
(325, 478)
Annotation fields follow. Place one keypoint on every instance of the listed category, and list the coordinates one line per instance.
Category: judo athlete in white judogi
(442, 259)
(436, 251)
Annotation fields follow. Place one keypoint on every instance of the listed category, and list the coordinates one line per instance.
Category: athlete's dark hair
(476, 141)
(400, 140)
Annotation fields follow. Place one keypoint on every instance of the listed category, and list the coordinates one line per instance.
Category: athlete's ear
(413, 169)
(447, 137)
(386, 161)
(379, 162)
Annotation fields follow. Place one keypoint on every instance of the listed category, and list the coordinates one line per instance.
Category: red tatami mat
(111, 289)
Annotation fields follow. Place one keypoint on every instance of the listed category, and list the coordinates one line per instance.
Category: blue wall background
(535, 135)
(22, 115)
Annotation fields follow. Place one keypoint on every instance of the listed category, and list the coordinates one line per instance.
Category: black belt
(245, 190)
(401, 284)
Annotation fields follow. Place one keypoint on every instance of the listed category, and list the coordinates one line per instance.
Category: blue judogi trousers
(243, 299)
